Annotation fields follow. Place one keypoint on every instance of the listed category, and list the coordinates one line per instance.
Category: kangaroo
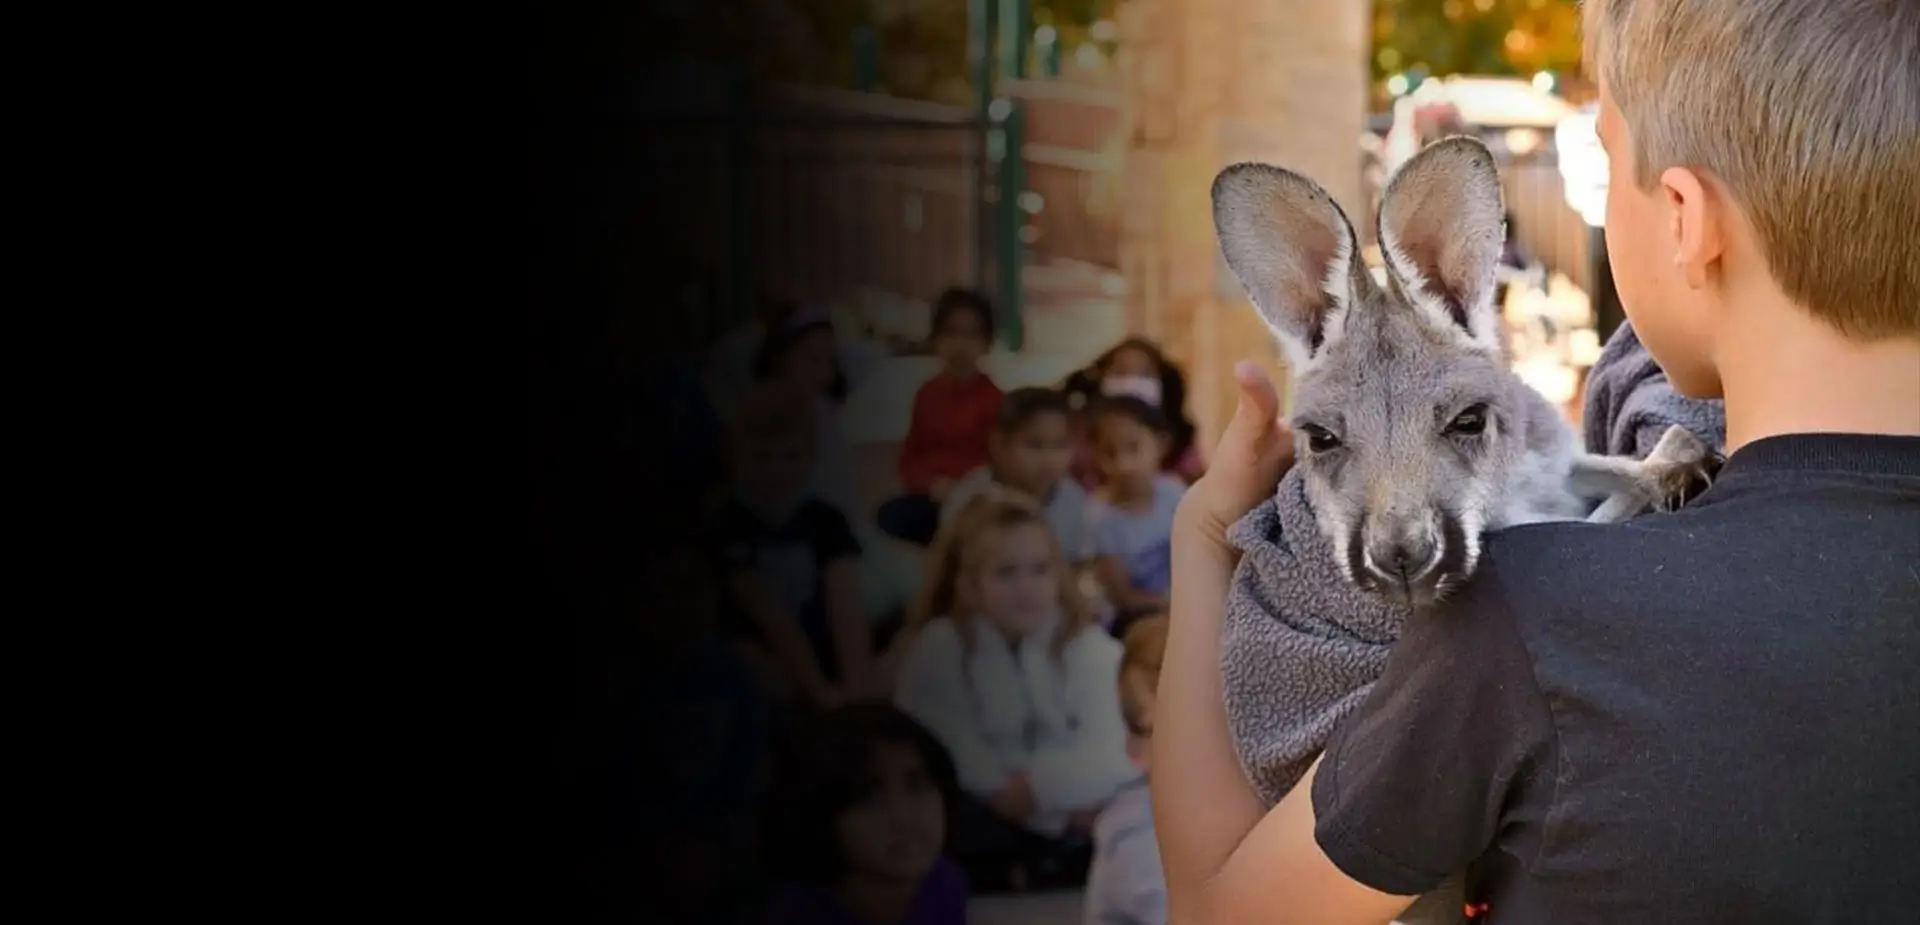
(1414, 436)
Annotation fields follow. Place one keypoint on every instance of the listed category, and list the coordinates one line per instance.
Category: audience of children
(1132, 512)
(857, 823)
(1015, 679)
(995, 740)
(1029, 453)
(1137, 367)
(1126, 884)
(792, 560)
(953, 414)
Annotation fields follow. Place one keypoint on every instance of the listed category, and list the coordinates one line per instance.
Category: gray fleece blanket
(1301, 647)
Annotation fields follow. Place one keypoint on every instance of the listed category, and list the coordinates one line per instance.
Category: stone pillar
(1211, 83)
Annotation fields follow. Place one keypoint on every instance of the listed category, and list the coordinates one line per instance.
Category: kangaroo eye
(1469, 422)
(1320, 439)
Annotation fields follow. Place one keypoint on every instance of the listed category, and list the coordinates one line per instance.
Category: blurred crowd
(827, 706)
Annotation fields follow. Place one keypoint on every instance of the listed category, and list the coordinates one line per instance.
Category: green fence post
(1015, 48)
(866, 58)
(980, 22)
(981, 15)
(1016, 37)
(1009, 250)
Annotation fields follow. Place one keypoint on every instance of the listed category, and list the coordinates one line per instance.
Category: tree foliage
(923, 43)
(1441, 37)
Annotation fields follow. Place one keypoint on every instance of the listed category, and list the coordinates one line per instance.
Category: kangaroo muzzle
(1406, 559)
(1403, 559)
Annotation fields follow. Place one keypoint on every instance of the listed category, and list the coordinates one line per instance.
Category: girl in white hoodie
(1009, 671)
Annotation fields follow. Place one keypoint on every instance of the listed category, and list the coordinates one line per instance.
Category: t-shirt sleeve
(1415, 784)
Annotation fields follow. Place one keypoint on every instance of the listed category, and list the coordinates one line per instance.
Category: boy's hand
(1256, 450)
(1014, 799)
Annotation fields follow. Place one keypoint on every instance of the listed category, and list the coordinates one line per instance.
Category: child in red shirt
(953, 415)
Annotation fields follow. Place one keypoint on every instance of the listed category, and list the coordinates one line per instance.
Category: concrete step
(1053, 908)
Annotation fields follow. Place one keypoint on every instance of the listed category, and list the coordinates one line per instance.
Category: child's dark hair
(1023, 405)
(781, 341)
(958, 299)
(1083, 389)
(822, 769)
(1136, 410)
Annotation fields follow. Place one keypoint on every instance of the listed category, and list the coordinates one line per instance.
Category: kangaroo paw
(1678, 470)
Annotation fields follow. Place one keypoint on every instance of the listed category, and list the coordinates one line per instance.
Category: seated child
(1029, 453)
(1016, 680)
(801, 354)
(1133, 509)
(1126, 885)
(792, 561)
(953, 414)
(857, 824)
(674, 712)
(1137, 367)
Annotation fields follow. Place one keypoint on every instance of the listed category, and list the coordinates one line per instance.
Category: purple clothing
(942, 900)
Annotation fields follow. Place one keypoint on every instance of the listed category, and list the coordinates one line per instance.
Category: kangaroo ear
(1442, 224)
(1293, 250)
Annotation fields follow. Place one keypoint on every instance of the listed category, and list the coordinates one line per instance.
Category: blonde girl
(1007, 668)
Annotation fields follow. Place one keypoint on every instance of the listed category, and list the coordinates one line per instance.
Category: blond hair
(965, 542)
(1808, 114)
(1145, 647)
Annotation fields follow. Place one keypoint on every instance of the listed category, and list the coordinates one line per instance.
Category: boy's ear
(1293, 250)
(1442, 225)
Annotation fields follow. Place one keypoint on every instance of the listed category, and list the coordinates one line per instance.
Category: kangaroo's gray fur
(1414, 435)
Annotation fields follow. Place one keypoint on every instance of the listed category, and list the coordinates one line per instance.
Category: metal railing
(820, 195)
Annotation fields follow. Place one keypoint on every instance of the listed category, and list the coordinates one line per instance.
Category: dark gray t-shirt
(1705, 716)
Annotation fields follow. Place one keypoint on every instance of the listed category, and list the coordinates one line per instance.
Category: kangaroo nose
(1404, 559)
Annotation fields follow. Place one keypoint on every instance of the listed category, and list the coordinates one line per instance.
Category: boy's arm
(846, 620)
(1119, 588)
(1413, 786)
(1113, 580)
(1110, 567)
(782, 633)
(852, 640)
(1213, 830)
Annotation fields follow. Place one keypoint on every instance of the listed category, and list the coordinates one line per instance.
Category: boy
(1125, 885)
(1703, 716)
(952, 415)
(792, 560)
(1030, 452)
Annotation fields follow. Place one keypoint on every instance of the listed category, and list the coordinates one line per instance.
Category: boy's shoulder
(1584, 667)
